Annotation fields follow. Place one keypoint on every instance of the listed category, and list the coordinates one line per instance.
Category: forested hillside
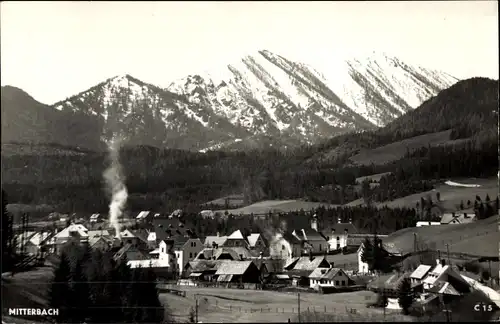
(165, 179)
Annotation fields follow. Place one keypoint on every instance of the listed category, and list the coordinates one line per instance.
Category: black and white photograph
(249, 161)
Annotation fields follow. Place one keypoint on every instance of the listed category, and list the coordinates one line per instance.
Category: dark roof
(130, 252)
(271, 265)
(342, 227)
(311, 233)
(299, 273)
(166, 230)
(141, 234)
(289, 237)
(389, 281)
(204, 265)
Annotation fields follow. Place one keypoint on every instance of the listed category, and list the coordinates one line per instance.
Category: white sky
(53, 50)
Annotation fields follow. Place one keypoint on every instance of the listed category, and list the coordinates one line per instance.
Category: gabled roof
(420, 272)
(76, 228)
(236, 235)
(326, 273)
(126, 234)
(253, 238)
(290, 238)
(95, 239)
(459, 217)
(234, 267)
(308, 234)
(234, 252)
(340, 228)
(143, 214)
(39, 237)
(305, 263)
(141, 234)
(219, 240)
(271, 265)
(151, 237)
(205, 265)
(387, 281)
(131, 252)
(442, 287)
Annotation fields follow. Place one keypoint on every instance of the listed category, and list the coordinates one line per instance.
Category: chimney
(332, 264)
(218, 234)
(443, 262)
(438, 262)
(310, 256)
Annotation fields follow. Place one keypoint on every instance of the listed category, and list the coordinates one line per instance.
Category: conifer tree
(405, 295)
(60, 289)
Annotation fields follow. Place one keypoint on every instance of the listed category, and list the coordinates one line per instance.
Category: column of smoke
(115, 185)
(276, 234)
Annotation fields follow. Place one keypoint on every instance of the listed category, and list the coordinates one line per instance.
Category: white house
(443, 273)
(339, 234)
(77, 231)
(419, 274)
(236, 239)
(95, 218)
(255, 241)
(179, 252)
(143, 215)
(329, 277)
(427, 223)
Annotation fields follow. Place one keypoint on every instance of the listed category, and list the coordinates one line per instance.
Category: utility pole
(298, 305)
(196, 308)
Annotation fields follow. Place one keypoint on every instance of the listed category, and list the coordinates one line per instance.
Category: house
(419, 274)
(256, 242)
(443, 273)
(238, 271)
(459, 217)
(269, 267)
(329, 277)
(285, 246)
(388, 284)
(151, 240)
(181, 245)
(225, 253)
(202, 270)
(100, 243)
(131, 253)
(74, 232)
(339, 235)
(316, 241)
(95, 218)
(299, 269)
(236, 239)
(144, 216)
(427, 223)
(215, 241)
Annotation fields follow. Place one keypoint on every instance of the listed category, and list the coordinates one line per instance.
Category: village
(314, 259)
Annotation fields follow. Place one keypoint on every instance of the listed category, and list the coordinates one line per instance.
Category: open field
(26, 289)
(283, 206)
(397, 150)
(478, 238)
(239, 305)
(451, 196)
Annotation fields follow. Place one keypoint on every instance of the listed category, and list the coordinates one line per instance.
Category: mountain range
(263, 100)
